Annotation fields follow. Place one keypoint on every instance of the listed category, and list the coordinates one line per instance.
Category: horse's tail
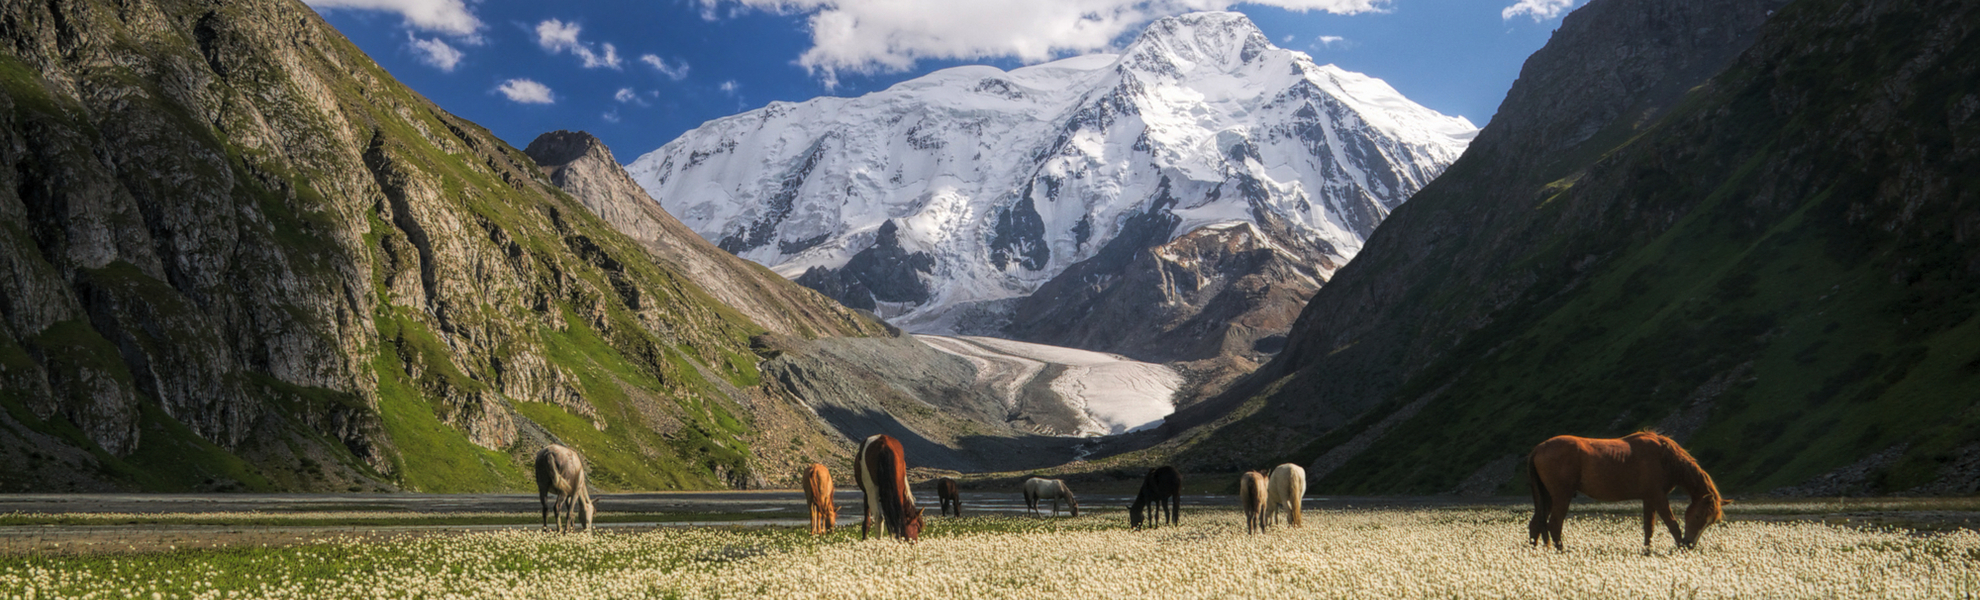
(1542, 501)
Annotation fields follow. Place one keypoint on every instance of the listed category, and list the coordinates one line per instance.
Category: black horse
(1163, 487)
(945, 489)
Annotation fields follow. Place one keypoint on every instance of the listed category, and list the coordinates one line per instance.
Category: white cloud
(611, 116)
(558, 37)
(625, 95)
(444, 16)
(435, 52)
(1540, 10)
(728, 87)
(1330, 40)
(526, 91)
(673, 71)
(865, 36)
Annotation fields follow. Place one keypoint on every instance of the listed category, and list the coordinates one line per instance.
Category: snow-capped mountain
(943, 201)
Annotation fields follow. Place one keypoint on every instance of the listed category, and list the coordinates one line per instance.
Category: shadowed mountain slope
(1778, 266)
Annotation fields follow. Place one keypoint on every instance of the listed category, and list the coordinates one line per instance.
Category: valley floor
(1362, 547)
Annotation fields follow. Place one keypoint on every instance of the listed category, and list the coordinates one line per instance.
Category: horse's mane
(1690, 474)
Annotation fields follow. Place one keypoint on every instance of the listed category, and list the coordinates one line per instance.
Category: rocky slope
(1053, 203)
(1777, 267)
(238, 255)
(582, 166)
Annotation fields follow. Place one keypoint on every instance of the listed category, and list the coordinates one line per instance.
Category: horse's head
(1134, 515)
(1702, 513)
(1075, 503)
(913, 524)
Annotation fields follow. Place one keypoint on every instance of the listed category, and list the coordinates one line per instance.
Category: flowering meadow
(1390, 553)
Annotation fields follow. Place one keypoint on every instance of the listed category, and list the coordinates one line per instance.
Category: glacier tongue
(946, 198)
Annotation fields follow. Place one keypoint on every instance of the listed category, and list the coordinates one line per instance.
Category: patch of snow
(1114, 393)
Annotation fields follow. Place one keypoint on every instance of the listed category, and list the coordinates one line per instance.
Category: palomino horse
(1251, 495)
(561, 470)
(1036, 489)
(818, 496)
(949, 495)
(1163, 487)
(1288, 485)
(1641, 466)
(881, 471)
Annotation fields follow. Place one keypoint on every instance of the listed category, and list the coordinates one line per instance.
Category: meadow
(1375, 553)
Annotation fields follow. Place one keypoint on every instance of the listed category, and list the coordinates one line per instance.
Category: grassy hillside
(239, 255)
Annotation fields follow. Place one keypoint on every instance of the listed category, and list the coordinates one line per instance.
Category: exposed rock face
(237, 254)
(1214, 292)
(1779, 259)
(582, 166)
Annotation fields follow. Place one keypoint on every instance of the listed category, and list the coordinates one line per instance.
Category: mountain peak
(558, 148)
(1182, 43)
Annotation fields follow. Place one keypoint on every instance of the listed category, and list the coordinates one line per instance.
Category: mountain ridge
(943, 201)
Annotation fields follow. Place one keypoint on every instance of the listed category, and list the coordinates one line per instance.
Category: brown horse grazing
(1251, 495)
(818, 495)
(1641, 466)
(881, 471)
(1163, 487)
(949, 495)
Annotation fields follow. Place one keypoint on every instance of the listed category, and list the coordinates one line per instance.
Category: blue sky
(638, 73)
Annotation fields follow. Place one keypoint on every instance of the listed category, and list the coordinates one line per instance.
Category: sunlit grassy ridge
(1369, 554)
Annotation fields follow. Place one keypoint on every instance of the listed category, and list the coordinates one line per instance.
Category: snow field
(1116, 394)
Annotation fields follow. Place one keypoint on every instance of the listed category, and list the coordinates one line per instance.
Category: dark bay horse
(949, 495)
(1641, 466)
(1163, 487)
(880, 468)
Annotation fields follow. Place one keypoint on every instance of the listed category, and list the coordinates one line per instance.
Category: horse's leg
(543, 498)
(1649, 523)
(1557, 517)
(1670, 522)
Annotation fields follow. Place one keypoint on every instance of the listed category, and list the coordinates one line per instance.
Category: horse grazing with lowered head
(1036, 489)
(818, 496)
(1251, 496)
(1163, 488)
(880, 469)
(949, 495)
(1641, 466)
(1287, 487)
(560, 470)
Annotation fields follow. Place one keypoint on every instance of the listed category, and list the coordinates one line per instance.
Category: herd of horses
(1643, 466)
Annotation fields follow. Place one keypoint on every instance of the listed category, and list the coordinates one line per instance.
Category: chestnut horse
(1163, 487)
(881, 471)
(950, 497)
(1036, 489)
(818, 495)
(1641, 466)
(1251, 496)
(1283, 494)
(560, 471)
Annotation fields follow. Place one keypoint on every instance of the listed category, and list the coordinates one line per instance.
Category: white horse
(561, 470)
(1287, 486)
(1036, 489)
